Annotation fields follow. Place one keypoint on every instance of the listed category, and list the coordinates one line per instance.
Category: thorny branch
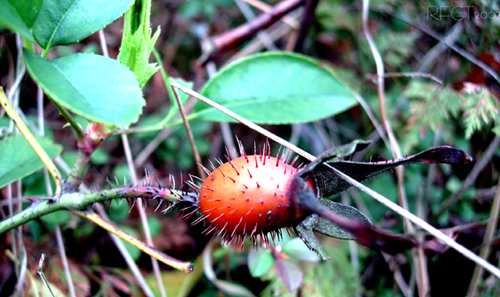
(79, 201)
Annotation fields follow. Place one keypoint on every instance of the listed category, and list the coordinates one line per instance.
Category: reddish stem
(94, 136)
(307, 20)
(233, 37)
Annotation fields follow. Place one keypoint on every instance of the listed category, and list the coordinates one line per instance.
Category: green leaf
(137, 42)
(35, 230)
(135, 52)
(337, 277)
(83, 230)
(155, 226)
(99, 157)
(56, 218)
(289, 273)
(121, 172)
(11, 19)
(260, 261)
(134, 252)
(275, 88)
(95, 87)
(28, 10)
(18, 159)
(63, 22)
(298, 250)
(231, 288)
(35, 184)
(119, 210)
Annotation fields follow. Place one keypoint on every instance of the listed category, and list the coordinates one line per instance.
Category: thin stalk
(451, 36)
(42, 276)
(451, 45)
(144, 221)
(143, 155)
(485, 250)
(166, 80)
(74, 125)
(110, 227)
(19, 233)
(22, 272)
(151, 128)
(432, 171)
(20, 71)
(220, 43)
(255, 45)
(18, 245)
(60, 245)
(10, 255)
(262, 35)
(396, 152)
(48, 186)
(372, 118)
(142, 213)
(227, 134)
(126, 256)
(39, 107)
(196, 155)
(422, 276)
(411, 74)
(264, 7)
(103, 44)
(32, 141)
(244, 121)
(13, 232)
(398, 276)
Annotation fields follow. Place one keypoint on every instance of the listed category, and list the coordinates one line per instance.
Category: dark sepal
(326, 227)
(312, 223)
(305, 203)
(305, 231)
(328, 184)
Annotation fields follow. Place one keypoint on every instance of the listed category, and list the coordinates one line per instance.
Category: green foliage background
(461, 110)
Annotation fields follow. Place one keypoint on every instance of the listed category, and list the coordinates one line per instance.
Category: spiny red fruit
(247, 196)
(258, 194)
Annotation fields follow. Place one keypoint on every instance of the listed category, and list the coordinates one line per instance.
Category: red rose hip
(247, 196)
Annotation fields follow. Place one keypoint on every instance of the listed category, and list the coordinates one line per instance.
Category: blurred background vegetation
(462, 111)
